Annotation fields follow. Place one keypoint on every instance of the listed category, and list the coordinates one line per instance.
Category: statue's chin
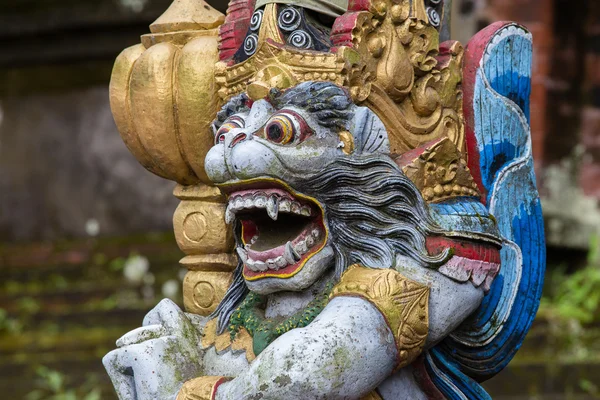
(312, 270)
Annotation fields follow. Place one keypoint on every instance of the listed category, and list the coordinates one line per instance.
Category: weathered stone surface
(63, 163)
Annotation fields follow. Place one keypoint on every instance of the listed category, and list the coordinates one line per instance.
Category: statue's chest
(255, 328)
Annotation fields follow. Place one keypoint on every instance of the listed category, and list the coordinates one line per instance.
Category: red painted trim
(341, 32)
(462, 248)
(473, 55)
(234, 29)
(410, 156)
(424, 381)
(213, 394)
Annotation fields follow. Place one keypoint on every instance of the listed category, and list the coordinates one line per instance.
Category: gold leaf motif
(439, 171)
(241, 342)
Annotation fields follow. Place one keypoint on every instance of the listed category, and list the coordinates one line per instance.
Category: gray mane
(374, 213)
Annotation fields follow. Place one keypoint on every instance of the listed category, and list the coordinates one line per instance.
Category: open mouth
(279, 231)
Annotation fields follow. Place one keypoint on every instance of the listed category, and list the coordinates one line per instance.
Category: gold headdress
(386, 53)
(166, 91)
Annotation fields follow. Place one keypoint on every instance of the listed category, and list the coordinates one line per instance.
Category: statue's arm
(346, 352)
(153, 361)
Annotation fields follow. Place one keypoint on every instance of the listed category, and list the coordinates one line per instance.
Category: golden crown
(385, 52)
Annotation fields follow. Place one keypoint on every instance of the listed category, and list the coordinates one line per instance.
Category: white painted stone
(325, 360)
(153, 362)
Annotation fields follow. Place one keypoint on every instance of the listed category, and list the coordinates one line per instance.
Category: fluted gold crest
(163, 98)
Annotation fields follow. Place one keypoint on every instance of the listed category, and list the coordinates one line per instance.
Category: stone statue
(359, 209)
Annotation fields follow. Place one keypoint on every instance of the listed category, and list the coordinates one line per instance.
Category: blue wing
(487, 342)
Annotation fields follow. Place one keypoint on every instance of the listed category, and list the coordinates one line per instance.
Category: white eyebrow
(259, 114)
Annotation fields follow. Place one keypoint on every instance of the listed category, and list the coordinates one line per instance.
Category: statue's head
(320, 102)
(311, 187)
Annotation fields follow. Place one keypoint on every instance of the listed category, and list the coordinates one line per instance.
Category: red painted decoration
(234, 29)
(473, 55)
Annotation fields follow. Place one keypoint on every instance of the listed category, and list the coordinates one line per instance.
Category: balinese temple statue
(359, 211)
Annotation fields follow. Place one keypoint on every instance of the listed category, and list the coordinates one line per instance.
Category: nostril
(239, 138)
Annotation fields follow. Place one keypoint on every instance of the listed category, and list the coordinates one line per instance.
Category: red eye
(280, 129)
(287, 126)
(232, 123)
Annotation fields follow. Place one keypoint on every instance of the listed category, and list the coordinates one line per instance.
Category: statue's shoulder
(403, 303)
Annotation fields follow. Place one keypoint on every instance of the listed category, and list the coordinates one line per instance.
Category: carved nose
(240, 137)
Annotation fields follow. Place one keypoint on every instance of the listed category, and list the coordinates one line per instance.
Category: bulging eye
(232, 123)
(280, 129)
(285, 127)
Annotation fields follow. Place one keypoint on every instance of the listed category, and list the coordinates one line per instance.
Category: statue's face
(265, 156)
(261, 156)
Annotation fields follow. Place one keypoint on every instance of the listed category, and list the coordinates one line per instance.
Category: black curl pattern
(289, 19)
(434, 17)
(250, 44)
(256, 20)
(300, 39)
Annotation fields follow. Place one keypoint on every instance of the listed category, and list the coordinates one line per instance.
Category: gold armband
(203, 388)
(403, 303)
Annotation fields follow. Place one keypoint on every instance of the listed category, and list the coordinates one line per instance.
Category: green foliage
(8, 324)
(569, 314)
(53, 385)
(575, 297)
(590, 388)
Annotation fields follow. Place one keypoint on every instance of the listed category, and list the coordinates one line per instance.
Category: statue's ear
(370, 135)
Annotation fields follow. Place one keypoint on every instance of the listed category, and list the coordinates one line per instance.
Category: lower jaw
(282, 273)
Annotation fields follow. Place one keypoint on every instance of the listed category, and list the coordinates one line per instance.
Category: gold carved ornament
(203, 388)
(403, 303)
(242, 341)
(389, 59)
(439, 171)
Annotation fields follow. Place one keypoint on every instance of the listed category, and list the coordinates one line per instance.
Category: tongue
(273, 253)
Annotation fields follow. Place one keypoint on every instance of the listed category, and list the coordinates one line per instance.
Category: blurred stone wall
(64, 171)
(63, 166)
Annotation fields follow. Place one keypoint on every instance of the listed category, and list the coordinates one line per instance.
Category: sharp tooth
(271, 265)
(229, 215)
(316, 233)
(281, 262)
(296, 207)
(273, 207)
(242, 253)
(254, 239)
(310, 241)
(285, 205)
(250, 264)
(260, 266)
(290, 255)
(247, 246)
(305, 211)
(260, 201)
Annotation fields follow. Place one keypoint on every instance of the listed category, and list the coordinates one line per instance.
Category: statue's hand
(153, 361)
